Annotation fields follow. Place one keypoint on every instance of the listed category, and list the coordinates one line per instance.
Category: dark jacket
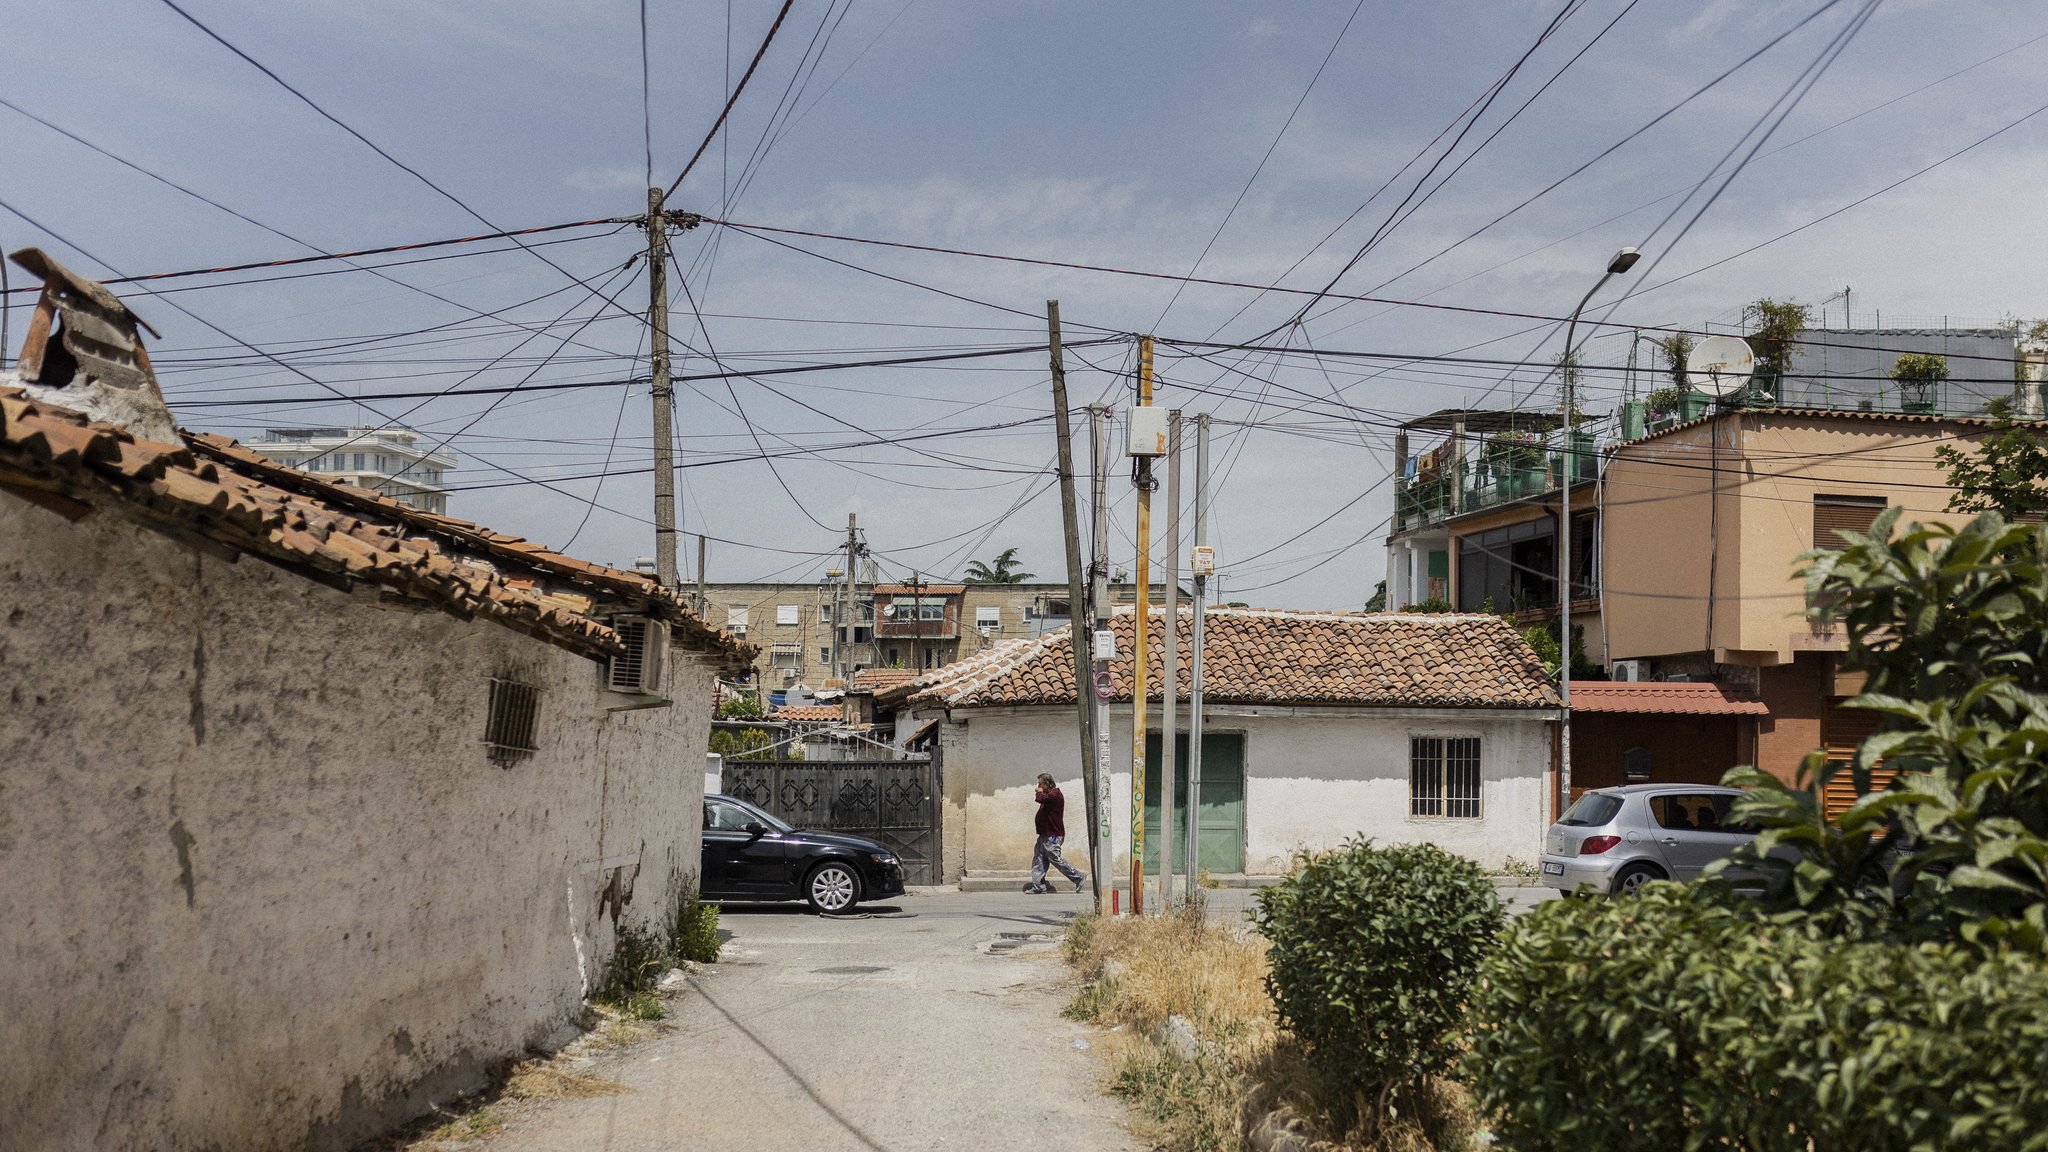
(1052, 813)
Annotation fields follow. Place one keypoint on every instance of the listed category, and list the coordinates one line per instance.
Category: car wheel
(833, 887)
(1635, 876)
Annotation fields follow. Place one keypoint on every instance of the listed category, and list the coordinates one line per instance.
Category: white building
(388, 461)
(1319, 727)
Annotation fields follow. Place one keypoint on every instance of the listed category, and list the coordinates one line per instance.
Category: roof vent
(96, 363)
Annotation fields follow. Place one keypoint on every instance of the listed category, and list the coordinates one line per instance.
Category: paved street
(932, 1024)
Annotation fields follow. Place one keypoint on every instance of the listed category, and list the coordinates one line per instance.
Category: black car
(751, 855)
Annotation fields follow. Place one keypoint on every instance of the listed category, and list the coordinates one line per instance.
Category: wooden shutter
(1833, 515)
(1842, 731)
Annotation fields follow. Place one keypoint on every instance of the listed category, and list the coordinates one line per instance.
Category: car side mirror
(754, 828)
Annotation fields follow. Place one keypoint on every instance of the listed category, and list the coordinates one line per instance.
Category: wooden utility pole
(665, 527)
(703, 605)
(843, 606)
(1077, 632)
(1141, 643)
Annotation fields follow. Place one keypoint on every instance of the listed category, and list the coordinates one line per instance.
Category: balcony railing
(1498, 471)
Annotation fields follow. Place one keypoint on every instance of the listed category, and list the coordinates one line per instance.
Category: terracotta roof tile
(1254, 656)
(1665, 698)
(881, 679)
(806, 712)
(214, 488)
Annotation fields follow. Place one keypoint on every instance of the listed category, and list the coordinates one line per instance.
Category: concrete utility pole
(1169, 679)
(1141, 642)
(665, 527)
(703, 605)
(842, 603)
(1070, 517)
(1098, 620)
(1195, 654)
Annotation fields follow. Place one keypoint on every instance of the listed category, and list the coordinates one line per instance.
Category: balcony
(1498, 470)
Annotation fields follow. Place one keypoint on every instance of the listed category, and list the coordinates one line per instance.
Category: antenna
(1726, 363)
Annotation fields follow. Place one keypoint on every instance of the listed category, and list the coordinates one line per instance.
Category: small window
(788, 614)
(1635, 764)
(510, 722)
(1443, 777)
(1835, 515)
(825, 655)
(736, 619)
(988, 616)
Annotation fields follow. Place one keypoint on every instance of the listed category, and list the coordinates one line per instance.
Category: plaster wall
(266, 890)
(1313, 778)
(1659, 535)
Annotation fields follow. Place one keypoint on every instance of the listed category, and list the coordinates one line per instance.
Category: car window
(1591, 810)
(726, 817)
(1694, 812)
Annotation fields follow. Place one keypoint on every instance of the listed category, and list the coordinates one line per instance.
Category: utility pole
(1200, 572)
(1098, 619)
(703, 605)
(1084, 695)
(1169, 680)
(1141, 642)
(917, 620)
(665, 527)
(842, 603)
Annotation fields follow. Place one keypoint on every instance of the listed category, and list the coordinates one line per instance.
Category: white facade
(1314, 777)
(266, 889)
(390, 461)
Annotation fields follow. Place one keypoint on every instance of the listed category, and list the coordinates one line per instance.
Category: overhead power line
(731, 100)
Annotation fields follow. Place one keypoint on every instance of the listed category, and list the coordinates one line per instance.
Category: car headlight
(883, 858)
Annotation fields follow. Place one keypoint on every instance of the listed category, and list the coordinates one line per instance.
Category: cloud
(605, 179)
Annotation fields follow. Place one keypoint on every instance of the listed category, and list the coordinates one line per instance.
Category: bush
(1682, 1019)
(694, 928)
(1373, 951)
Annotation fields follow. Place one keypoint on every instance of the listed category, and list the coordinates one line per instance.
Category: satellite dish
(889, 610)
(1720, 365)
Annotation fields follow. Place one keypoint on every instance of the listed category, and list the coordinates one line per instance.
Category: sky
(1256, 144)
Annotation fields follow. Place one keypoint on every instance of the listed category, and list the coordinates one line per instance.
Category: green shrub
(1683, 1019)
(1372, 952)
(694, 930)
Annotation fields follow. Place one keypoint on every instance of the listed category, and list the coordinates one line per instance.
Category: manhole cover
(850, 970)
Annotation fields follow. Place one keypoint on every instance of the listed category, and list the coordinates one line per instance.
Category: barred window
(1443, 776)
(511, 721)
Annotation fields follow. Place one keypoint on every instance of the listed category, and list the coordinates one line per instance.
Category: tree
(2007, 471)
(1917, 375)
(1775, 328)
(1677, 349)
(1004, 571)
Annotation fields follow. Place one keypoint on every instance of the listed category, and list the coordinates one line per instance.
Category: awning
(1664, 698)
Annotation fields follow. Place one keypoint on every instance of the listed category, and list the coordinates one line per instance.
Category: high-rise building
(388, 461)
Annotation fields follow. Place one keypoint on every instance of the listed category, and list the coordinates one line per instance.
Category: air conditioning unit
(638, 669)
(1629, 671)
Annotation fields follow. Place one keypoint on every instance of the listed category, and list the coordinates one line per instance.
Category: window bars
(1443, 777)
(511, 721)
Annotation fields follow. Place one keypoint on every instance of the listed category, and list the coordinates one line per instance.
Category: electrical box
(1105, 644)
(1148, 431)
(1202, 561)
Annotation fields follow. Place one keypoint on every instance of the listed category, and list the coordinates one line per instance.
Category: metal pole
(1070, 517)
(703, 605)
(664, 418)
(1099, 805)
(1141, 643)
(1169, 680)
(1194, 831)
(1622, 262)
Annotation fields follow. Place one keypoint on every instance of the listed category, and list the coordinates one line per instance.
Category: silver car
(1618, 839)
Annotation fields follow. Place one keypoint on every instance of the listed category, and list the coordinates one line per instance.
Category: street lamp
(1622, 262)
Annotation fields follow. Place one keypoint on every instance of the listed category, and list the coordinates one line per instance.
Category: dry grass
(1138, 972)
(549, 1080)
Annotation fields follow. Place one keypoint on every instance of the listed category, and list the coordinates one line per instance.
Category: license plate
(1550, 869)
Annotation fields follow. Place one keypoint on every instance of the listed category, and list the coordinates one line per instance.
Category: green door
(1222, 801)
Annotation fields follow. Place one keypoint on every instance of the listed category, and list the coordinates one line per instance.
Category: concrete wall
(1313, 777)
(1660, 536)
(265, 889)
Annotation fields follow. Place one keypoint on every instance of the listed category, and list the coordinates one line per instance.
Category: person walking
(1052, 832)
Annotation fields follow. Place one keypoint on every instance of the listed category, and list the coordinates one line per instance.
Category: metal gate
(895, 802)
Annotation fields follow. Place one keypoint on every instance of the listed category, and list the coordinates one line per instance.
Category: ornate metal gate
(895, 802)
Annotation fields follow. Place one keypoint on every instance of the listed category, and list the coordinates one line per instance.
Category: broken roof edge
(496, 546)
(63, 460)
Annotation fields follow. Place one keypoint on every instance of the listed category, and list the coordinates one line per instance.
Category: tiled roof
(1820, 413)
(881, 679)
(920, 589)
(1664, 698)
(210, 488)
(806, 712)
(1255, 656)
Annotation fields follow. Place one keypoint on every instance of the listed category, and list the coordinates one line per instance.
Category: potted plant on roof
(1516, 459)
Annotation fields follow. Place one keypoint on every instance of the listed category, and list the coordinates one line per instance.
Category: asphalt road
(932, 1024)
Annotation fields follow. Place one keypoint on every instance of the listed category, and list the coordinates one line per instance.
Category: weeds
(1520, 869)
(640, 956)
